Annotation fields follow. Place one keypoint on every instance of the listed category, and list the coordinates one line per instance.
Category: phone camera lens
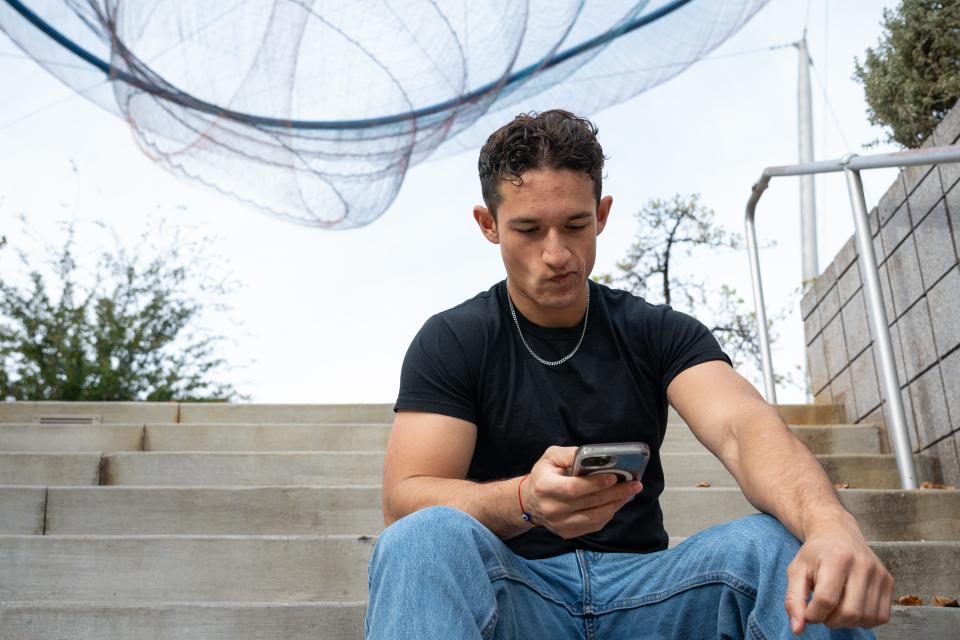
(596, 461)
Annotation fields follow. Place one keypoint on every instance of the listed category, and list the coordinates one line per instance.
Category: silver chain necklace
(516, 323)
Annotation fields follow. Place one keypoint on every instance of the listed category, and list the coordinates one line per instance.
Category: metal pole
(766, 360)
(808, 207)
(896, 420)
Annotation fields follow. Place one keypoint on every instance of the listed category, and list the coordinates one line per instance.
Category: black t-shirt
(468, 362)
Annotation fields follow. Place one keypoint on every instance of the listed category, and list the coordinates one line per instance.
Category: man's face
(547, 231)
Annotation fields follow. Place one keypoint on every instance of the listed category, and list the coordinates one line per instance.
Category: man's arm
(779, 475)
(427, 459)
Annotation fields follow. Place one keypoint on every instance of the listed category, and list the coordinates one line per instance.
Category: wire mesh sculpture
(314, 110)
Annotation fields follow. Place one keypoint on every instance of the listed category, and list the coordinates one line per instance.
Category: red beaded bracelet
(523, 512)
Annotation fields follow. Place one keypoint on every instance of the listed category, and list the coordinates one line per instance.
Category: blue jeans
(439, 573)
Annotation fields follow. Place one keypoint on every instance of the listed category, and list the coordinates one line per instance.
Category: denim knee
(427, 531)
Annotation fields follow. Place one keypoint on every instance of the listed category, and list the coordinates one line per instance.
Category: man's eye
(577, 227)
(526, 231)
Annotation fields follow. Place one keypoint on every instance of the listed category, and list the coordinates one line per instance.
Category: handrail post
(766, 360)
(877, 315)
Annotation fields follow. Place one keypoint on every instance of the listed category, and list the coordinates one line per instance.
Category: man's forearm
(494, 504)
(780, 476)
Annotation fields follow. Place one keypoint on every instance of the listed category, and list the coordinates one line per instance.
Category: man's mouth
(563, 278)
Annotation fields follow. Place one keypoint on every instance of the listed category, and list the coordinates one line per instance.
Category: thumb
(560, 456)
(799, 581)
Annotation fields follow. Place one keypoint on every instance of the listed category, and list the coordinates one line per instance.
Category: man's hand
(572, 506)
(851, 587)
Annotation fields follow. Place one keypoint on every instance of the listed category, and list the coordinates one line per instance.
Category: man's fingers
(827, 589)
(799, 581)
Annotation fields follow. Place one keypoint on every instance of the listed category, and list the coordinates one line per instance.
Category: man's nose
(555, 251)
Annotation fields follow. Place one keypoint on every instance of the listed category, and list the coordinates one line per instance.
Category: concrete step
(352, 468)
(288, 568)
(292, 621)
(89, 412)
(22, 510)
(218, 413)
(49, 468)
(109, 438)
(883, 514)
(185, 568)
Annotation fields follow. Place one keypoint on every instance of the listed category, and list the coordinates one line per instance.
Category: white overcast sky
(327, 316)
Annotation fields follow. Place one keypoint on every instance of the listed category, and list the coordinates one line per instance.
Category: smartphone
(626, 460)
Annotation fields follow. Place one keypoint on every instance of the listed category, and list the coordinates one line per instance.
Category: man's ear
(603, 212)
(488, 226)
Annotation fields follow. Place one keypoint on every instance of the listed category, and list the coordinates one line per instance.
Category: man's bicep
(711, 397)
(428, 444)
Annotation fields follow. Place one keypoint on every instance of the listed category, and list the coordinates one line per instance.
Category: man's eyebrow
(576, 216)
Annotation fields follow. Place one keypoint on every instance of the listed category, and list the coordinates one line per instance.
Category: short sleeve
(435, 376)
(685, 342)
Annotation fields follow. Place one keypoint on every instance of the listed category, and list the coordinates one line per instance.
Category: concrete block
(920, 623)
(264, 437)
(21, 510)
(914, 175)
(829, 306)
(949, 175)
(220, 413)
(944, 301)
(808, 303)
(921, 568)
(946, 453)
(834, 347)
(817, 365)
(65, 438)
(858, 470)
(238, 468)
(841, 388)
(277, 510)
(891, 201)
(856, 327)
(87, 412)
(846, 256)
(935, 246)
(906, 284)
(825, 281)
(866, 388)
(49, 468)
(916, 338)
(811, 328)
(185, 568)
(950, 372)
(930, 407)
(849, 283)
(182, 620)
(953, 213)
(897, 228)
(948, 130)
(925, 197)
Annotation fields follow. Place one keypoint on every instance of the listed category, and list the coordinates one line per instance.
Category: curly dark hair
(554, 139)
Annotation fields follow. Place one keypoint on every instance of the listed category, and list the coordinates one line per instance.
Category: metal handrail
(851, 165)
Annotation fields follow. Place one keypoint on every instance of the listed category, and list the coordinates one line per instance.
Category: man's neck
(565, 317)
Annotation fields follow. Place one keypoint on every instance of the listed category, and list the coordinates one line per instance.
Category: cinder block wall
(916, 236)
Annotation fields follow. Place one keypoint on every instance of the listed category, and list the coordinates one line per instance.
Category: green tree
(912, 78)
(128, 331)
(669, 234)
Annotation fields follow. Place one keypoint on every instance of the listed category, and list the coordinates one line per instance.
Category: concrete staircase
(236, 522)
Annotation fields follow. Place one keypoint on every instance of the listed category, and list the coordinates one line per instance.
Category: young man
(489, 538)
